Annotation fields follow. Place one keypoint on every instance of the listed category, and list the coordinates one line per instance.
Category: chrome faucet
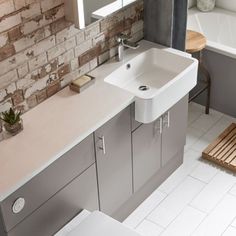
(124, 43)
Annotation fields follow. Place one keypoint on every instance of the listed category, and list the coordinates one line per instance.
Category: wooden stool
(195, 43)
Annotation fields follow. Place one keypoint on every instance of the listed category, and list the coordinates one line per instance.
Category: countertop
(61, 122)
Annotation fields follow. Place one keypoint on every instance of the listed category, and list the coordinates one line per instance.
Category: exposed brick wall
(40, 52)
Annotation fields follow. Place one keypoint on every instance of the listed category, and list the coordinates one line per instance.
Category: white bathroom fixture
(95, 223)
(158, 78)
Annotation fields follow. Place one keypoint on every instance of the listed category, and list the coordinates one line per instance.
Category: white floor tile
(230, 118)
(144, 209)
(219, 219)
(147, 228)
(174, 203)
(185, 223)
(217, 129)
(195, 111)
(193, 135)
(192, 156)
(211, 134)
(231, 231)
(234, 223)
(204, 171)
(205, 122)
(233, 190)
(201, 144)
(190, 162)
(207, 199)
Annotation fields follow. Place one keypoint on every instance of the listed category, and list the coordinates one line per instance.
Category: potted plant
(12, 122)
(206, 5)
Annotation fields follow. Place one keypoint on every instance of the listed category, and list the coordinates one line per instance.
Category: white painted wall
(191, 3)
(226, 4)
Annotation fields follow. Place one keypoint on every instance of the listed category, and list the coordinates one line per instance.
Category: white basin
(167, 75)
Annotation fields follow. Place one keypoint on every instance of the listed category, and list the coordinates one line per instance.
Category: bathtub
(219, 27)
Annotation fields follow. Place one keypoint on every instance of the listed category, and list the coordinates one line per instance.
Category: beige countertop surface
(61, 122)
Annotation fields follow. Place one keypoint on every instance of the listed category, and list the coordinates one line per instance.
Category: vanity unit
(101, 158)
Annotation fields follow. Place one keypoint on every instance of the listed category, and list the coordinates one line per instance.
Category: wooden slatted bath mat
(223, 150)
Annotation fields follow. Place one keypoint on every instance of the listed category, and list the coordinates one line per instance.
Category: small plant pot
(1, 127)
(15, 128)
(206, 5)
(1, 131)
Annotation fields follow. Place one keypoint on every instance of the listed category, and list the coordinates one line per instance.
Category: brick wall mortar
(41, 53)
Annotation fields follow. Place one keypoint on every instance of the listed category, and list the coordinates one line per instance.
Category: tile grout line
(204, 133)
(232, 222)
(183, 178)
(177, 214)
(145, 218)
(216, 203)
(189, 175)
(202, 180)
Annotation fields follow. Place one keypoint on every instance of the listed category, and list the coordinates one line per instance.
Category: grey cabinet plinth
(114, 162)
(146, 153)
(174, 130)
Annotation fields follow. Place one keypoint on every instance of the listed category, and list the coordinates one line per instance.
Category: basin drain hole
(143, 88)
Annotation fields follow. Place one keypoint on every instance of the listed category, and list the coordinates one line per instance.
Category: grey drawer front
(49, 181)
(55, 213)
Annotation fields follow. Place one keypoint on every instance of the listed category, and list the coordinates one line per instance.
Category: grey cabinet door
(114, 162)
(134, 123)
(146, 153)
(174, 130)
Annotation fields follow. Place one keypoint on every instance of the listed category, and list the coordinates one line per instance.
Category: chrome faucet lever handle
(122, 37)
(123, 41)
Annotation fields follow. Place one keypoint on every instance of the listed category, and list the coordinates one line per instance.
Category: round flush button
(18, 205)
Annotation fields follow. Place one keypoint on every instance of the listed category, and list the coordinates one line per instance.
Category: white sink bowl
(167, 76)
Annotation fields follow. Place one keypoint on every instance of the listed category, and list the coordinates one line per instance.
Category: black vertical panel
(165, 22)
(179, 24)
(158, 21)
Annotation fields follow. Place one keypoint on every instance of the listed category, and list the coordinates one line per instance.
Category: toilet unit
(95, 223)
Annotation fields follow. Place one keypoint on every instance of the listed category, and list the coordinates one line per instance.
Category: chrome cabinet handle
(103, 147)
(166, 120)
(160, 128)
(161, 125)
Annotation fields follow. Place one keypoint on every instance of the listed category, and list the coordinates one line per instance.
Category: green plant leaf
(11, 117)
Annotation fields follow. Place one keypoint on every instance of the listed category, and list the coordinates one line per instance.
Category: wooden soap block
(82, 83)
